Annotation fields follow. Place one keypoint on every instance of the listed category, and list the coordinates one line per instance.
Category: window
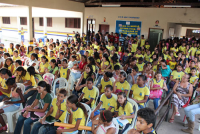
(72, 22)
(49, 22)
(6, 20)
(23, 20)
(40, 21)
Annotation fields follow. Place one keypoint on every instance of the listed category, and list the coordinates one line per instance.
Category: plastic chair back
(63, 83)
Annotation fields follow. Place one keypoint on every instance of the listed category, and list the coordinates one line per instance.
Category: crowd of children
(119, 67)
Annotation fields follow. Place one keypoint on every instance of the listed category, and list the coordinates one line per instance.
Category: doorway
(91, 25)
(155, 35)
(104, 29)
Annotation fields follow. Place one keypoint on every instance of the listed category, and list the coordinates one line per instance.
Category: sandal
(171, 121)
(178, 114)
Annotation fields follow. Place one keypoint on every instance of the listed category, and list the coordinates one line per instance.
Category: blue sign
(130, 28)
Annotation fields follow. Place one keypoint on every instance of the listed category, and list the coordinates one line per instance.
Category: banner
(130, 28)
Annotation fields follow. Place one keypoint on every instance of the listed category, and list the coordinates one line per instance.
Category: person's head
(105, 57)
(73, 58)
(148, 65)
(117, 69)
(135, 70)
(145, 119)
(83, 58)
(10, 82)
(72, 102)
(133, 61)
(43, 86)
(51, 53)
(193, 71)
(61, 55)
(53, 63)
(163, 62)
(192, 64)
(179, 67)
(8, 62)
(89, 69)
(108, 90)
(141, 80)
(155, 61)
(36, 50)
(173, 59)
(121, 99)
(34, 56)
(106, 117)
(20, 71)
(64, 62)
(61, 95)
(91, 61)
(89, 83)
(126, 52)
(107, 75)
(185, 78)
(15, 53)
(44, 59)
(122, 77)
(18, 63)
(31, 70)
(158, 75)
(30, 48)
(5, 73)
(12, 46)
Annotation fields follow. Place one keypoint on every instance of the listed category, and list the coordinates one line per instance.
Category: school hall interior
(146, 52)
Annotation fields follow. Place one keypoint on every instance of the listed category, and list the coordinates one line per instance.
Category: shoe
(178, 114)
(171, 121)
(190, 128)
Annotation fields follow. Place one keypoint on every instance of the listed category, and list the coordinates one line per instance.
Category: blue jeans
(126, 127)
(192, 110)
(39, 128)
(2, 97)
(36, 128)
(155, 102)
(27, 125)
(99, 76)
(140, 106)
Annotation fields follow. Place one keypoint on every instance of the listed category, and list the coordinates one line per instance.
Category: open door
(103, 28)
(155, 35)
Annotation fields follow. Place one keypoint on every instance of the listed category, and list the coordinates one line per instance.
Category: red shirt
(116, 39)
(111, 38)
(81, 65)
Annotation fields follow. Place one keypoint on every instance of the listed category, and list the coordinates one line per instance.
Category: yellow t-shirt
(112, 66)
(78, 114)
(10, 51)
(128, 110)
(174, 49)
(40, 44)
(32, 79)
(29, 55)
(147, 46)
(105, 63)
(43, 66)
(10, 67)
(140, 66)
(155, 68)
(177, 75)
(16, 58)
(164, 49)
(63, 72)
(183, 49)
(108, 102)
(193, 78)
(4, 86)
(140, 92)
(134, 47)
(122, 86)
(50, 58)
(138, 56)
(110, 48)
(147, 57)
(193, 51)
(89, 94)
(160, 82)
(187, 70)
(105, 83)
(26, 77)
(172, 65)
(142, 42)
(55, 109)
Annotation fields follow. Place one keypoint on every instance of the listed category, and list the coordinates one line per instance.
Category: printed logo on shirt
(179, 76)
(122, 89)
(89, 96)
(63, 73)
(140, 94)
(108, 104)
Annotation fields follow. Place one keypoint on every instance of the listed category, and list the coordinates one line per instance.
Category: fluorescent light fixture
(111, 5)
(177, 5)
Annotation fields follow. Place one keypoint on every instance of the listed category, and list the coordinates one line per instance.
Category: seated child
(105, 81)
(88, 94)
(145, 120)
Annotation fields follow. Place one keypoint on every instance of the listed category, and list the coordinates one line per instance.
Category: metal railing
(166, 114)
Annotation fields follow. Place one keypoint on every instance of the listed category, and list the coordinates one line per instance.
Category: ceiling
(141, 3)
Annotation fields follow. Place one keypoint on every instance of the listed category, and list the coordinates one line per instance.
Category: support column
(0, 29)
(29, 25)
(19, 29)
(45, 29)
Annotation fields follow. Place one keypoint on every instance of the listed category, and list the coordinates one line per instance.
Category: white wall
(148, 16)
(178, 30)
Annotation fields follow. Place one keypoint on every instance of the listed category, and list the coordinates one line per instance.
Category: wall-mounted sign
(125, 17)
(130, 28)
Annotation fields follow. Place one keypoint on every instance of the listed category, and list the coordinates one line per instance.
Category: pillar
(0, 29)
(29, 25)
(45, 28)
(19, 29)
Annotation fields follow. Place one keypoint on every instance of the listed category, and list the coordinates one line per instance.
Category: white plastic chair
(97, 96)
(135, 105)
(9, 115)
(49, 78)
(63, 83)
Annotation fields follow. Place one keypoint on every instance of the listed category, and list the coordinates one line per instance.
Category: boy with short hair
(140, 64)
(145, 120)
(132, 77)
(193, 79)
(125, 56)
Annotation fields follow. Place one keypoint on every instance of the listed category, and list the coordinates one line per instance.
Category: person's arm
(12, 68)
(80, 98)
(5, 90)
(164, 67)
(27, 82)
(171, 78)
(111, 131)
(18, 90)
(68, 74)
(79, 82)
(48, 113)
(165, 87)
(114, 87)
(198, 89)
(142, 101)
(175, 86)
(90, 101)
(97, 108)
(30, 89)
(195, 82)
(40, 110)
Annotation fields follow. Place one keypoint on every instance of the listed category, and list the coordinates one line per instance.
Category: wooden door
(104, 28)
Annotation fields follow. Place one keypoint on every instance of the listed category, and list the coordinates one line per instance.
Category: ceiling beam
(139, 3)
